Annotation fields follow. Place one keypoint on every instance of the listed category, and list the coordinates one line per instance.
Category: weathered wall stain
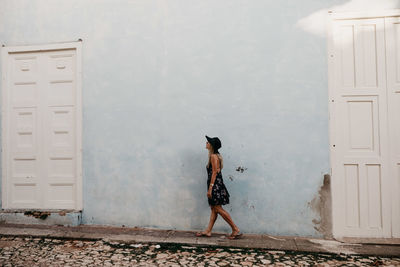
(241, 169)
(38, 214)
(322, 205)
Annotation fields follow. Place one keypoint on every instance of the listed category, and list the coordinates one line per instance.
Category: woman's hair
(221, 160)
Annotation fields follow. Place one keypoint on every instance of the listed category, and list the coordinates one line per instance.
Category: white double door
(41, 130)
(365, 127)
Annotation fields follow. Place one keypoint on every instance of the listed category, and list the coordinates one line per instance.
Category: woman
(217, 193)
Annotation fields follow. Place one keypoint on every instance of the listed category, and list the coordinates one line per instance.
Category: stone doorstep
(154, 236)
(41, 217)
(42, 210)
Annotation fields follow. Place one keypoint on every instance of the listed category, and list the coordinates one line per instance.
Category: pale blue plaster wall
(159, 75)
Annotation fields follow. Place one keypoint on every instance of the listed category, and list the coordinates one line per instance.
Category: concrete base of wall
(42, 217)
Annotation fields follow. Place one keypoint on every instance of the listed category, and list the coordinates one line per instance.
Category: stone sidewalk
(140, 235)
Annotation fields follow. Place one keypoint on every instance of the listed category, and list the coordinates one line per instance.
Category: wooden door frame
(5, 51)
(334, 16)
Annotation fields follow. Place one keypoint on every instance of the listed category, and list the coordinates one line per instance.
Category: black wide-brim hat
(215, 142)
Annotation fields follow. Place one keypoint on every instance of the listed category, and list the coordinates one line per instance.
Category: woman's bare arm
(215, 170)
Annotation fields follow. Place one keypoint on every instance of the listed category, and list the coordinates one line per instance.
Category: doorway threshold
(41, 217)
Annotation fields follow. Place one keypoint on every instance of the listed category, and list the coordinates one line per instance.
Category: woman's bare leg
(228, 219)
(213, 218)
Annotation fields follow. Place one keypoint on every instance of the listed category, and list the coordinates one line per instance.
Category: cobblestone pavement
(16, 251)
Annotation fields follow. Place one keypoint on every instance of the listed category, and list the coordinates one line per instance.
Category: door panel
(360, 167)
(361, 132)
(351, 198)
(392, 29)
(60, 121)
(24, 154)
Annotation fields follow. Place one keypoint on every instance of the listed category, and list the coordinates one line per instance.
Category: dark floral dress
(219, 195)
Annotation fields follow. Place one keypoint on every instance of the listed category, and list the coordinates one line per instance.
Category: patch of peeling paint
(38, 214)
(241, 169)
(322, 205)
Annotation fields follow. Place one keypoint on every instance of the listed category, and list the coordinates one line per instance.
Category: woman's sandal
(201, 234)
(235, 236)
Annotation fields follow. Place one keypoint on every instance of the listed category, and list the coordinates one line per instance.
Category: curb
(153, 236)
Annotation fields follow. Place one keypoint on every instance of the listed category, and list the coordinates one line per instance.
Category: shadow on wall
(193, 170)
(316, 23)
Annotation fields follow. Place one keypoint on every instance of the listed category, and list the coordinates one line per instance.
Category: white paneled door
(392, 27)
(41, 128)
(364, 84)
